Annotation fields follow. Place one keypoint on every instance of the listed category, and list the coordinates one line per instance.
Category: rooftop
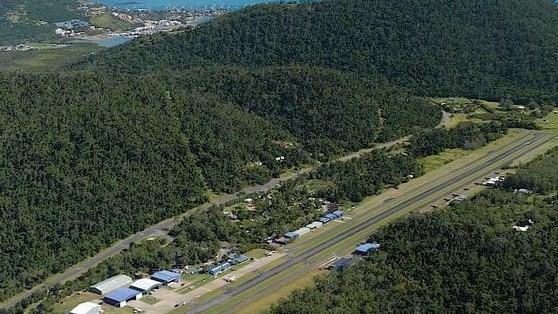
(165, 276)
(85, 307)
(122, 294)
(145, 284)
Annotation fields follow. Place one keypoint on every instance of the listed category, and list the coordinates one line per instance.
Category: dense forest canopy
(129, 151)
(476, 48)
(144, 131)
(466, 259)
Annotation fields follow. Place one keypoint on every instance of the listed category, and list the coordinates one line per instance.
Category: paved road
(528, 143)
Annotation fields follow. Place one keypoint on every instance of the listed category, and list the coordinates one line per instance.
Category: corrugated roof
(165, 276)
(84, 308)
(145, 284)
(122, 294)
(112, 283)
(367, 247)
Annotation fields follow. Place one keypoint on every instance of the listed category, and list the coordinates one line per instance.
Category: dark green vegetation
(247, 225)
(127, 152)
(23, 20)
(357, 178)
(466, 135)
(479, 49)
(465, 259)
(144, 131)
(540, 175)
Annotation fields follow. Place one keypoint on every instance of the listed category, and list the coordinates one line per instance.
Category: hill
(478, 48)
(128, 151)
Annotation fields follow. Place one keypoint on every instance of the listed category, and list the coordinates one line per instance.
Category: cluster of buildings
(224, 265)
(120, 289)
(293, 235)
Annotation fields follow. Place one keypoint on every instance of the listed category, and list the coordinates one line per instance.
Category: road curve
(531, 142)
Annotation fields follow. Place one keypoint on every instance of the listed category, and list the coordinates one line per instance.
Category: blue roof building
(120, 296)
(331, 216)
(216, 270)
(291, 235)
(166, 276)
(366, 248)
(338, 213)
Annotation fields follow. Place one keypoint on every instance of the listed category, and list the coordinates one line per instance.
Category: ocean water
(183, 4)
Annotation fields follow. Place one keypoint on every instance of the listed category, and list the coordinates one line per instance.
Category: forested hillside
(477, 48)
(466, 259)
(127, 151)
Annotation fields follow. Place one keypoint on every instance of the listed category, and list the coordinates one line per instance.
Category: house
(111, 284)
(217, 269)
(120, 296)
(366, 248)
(145, 285)
(166, 276)
(86, 308)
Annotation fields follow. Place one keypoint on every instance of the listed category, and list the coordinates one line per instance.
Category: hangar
(120, 296)
(145, 285)
(111, 284)
(166, 276)
(86, 308)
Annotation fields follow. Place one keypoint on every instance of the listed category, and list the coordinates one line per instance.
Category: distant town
(98, 23)
(106, 22)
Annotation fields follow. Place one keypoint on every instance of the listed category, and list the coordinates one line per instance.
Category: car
(466, 188)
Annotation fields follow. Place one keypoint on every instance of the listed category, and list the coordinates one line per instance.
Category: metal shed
(111, 284)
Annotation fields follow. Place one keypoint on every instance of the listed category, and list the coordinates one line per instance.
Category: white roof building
(314, 225)
(110, 284)
(145, 284)
(86, 308)
(302, 231)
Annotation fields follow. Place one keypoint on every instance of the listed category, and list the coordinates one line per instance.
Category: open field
(108, 21)
(549, 122)
(436, 161)
(45, 60)
(409, 197)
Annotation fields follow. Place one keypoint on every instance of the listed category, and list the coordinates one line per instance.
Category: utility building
(166, 276)
(86, 308)
(216, 270)
(366, 248)
(111, 284)
(145, 285)
(120, 296)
